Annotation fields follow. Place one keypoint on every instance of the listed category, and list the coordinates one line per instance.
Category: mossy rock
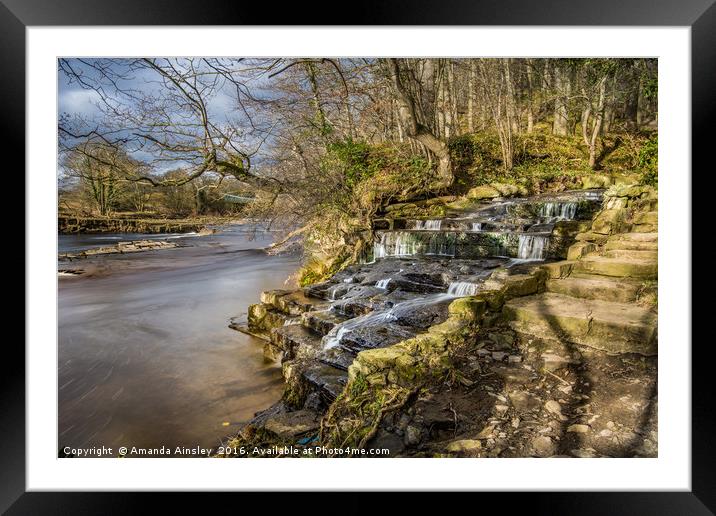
(505, 190)
(649, 217)
(558, 270)
(590, 236)
(595, 181)
(610, 221)
(470, 308)
(576, 251)
(256, 314)
(454, 325)
(483, 192)
(271, 297)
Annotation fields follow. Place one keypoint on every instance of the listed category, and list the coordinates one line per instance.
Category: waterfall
(348, 280)
(428, 225)
(463, 288)
(441, 244)
(559, 210)
(531, 247)
(402, 243)
(477, 226)
(292, 321)
(383, 283)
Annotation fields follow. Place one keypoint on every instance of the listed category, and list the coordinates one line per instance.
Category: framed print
(420, 248)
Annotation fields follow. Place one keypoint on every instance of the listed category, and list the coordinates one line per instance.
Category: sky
(76, 100)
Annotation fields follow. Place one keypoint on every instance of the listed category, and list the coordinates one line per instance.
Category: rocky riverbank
(131, 246)
(472, 335)
(69, 224)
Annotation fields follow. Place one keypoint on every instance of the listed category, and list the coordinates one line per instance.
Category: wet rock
(413, 435)
(383, 440)
(292, 424)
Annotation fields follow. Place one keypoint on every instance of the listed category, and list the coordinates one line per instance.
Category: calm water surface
(145, 356)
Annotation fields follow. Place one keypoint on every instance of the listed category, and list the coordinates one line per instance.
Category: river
(145, 357)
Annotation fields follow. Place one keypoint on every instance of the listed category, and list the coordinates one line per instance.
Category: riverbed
(145, 356)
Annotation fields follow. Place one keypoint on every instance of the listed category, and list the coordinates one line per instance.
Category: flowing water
(427, 225)
(531, 247)
(463, 288)
(559, 210)
(145, 357)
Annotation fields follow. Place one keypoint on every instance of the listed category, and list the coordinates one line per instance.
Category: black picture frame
(700, 15)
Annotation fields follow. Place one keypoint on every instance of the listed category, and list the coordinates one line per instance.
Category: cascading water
(403, 243)
(383, 283)
(427, 225)
(559, 210)
(477, 226)
(441, 244)
(463, 288)
(333, 338)
(531, 247)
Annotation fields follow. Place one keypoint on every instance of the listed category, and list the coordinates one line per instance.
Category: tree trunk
(414, 129)
(530, 103)
(561, 113)
(471, 98)
(591, 140)
(510, 100)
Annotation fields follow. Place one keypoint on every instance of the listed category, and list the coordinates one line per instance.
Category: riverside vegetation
(479, 240)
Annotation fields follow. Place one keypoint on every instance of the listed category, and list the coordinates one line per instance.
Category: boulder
(292, 424)
(483, 192)
(596, 181)
(610, 221)
(505, 189)
(470, 308)
(576, 251)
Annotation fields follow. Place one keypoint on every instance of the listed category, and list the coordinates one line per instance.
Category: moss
(317, 270)
(470, 308)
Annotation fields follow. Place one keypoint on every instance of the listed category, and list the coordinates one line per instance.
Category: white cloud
(79, 101)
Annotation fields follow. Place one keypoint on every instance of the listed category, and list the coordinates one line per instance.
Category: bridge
(237, 199)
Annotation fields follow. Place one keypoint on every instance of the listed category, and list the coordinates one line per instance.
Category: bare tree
(407, 89)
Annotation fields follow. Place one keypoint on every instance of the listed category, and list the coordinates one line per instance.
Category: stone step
(617, 267)
(636, 237)
(328, 381)
(288, 342)
(647, 217)
(595, 287)
(604, 325)
(375, 336)
(631, 245)
(322, 321)
(291, 302)
(337, 357)
(632, 254)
